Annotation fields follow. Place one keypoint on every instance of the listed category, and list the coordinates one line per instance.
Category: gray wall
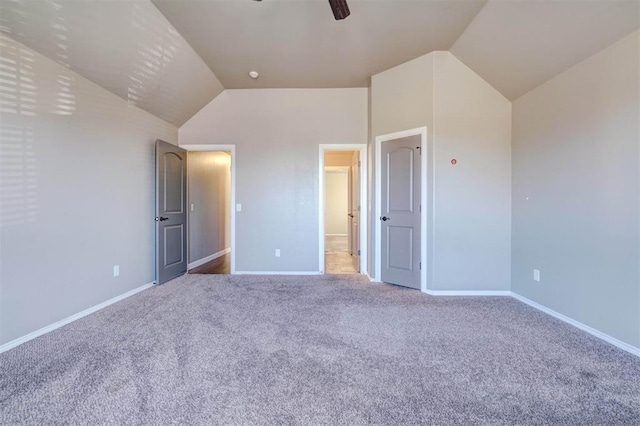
(576, 192)
(469, 205)
(277, 133)
(402, 99)
(209, 177)
(77, 187)
(472, 199)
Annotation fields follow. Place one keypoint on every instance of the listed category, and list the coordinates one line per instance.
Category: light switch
(238, 207)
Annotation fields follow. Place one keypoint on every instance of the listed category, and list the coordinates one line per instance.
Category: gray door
(171, 212)
(400, 220)
(354, 210)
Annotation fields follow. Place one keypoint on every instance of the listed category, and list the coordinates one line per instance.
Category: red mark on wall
(454, 161)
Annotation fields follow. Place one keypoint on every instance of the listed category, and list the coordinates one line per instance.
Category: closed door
(354, 210)
(400, 220)
(171, 212)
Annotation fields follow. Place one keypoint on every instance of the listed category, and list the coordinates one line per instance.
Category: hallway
(337, 257)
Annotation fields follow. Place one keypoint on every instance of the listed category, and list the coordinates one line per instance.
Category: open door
(400, 220)
(171, 212)
(354, 210)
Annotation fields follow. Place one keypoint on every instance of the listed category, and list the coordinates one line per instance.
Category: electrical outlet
(193, 207)
(116, 270)
(277, 252)
(536, 275)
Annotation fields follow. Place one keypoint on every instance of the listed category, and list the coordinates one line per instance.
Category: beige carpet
(241, 350)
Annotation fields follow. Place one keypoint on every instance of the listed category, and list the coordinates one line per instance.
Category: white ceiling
(138, 52)
(297, 43)
(127, 47)
(518, 45)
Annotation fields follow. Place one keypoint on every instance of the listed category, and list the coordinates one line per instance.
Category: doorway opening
(401, 208)
(342, 212)
(210, 212)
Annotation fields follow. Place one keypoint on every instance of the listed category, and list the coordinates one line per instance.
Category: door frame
(232, 204)
(364, 211)
(377, 244)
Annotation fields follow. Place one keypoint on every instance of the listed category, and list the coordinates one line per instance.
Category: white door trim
(364, 214)
(377, 244)
(232, 207)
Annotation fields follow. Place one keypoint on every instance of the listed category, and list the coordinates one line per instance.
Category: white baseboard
(208, 258)
(278, 273)
(468, 292)
(44, 330)
(456, 292)
(609, 339)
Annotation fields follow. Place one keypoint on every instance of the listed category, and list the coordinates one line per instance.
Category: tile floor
(337, 259)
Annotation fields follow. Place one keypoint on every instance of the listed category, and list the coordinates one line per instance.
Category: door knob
(161, 219)
(384, 218)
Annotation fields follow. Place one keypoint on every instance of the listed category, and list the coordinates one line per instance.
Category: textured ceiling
(174, 59)
(127, 47)
(518, 45)
(297, 43)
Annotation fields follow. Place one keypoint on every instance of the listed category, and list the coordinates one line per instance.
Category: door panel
(400, 251)
(173, 167)
(173, 252)
(400, 182)
(171, 214)
(400, 220)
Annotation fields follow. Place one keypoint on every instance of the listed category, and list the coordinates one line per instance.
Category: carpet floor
(220, 349)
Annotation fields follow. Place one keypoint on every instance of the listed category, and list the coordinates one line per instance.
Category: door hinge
(358, 252)
(420, 263)
(420, 208)
(359, 163)
(358, 208)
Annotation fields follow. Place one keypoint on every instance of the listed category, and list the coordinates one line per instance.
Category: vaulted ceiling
(518, 45)
(298, 43)
(171, 59)
(127, 47)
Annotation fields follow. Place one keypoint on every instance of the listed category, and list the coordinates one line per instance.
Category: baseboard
(609, 339)
(208, 258)
(336, 235)
(468, 292)
(456, 292)
(44, 330)
(278, 273)
(603, 336)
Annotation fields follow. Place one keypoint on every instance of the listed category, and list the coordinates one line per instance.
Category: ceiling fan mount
(340, 9)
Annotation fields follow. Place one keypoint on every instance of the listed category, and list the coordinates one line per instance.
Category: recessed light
(254, 74)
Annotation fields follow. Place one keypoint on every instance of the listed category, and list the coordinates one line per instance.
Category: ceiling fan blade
(340, 9)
